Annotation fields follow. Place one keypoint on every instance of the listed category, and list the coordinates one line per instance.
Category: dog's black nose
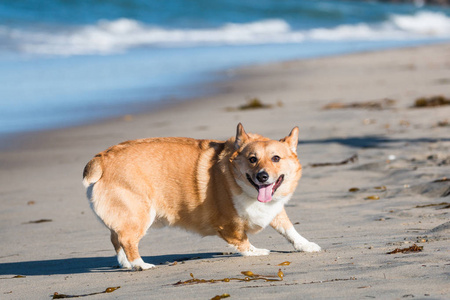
(262, 176)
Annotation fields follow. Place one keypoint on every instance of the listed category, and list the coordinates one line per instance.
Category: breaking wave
(107, 37)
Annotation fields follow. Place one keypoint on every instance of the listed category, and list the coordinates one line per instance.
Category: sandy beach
(392, 194)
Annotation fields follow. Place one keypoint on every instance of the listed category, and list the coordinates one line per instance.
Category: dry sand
(403, 156)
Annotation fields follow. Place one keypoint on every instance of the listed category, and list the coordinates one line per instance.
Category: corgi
(224, 188)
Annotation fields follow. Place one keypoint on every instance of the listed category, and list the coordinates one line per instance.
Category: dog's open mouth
(266, 191)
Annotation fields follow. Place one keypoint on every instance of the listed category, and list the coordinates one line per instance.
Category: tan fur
(188, 183)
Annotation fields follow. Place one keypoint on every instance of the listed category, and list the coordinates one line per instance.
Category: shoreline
(222, 77)
(402, 158)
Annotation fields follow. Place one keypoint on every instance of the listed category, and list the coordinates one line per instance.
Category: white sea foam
(422, 25)
(107, 37)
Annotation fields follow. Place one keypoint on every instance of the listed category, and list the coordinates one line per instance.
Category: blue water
(64, 63)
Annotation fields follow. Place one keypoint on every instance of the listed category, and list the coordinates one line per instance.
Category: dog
(225, 188)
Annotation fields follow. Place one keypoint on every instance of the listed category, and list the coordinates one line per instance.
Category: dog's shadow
(91, 264)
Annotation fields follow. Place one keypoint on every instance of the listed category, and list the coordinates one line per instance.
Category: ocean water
(68, 62)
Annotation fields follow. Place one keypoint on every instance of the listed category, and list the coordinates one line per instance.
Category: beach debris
(284, 263)
(249, 276)
(413, 248)
(351, 159)
(392, 157)
(63, 296)
(253, 103)
(280, 274)
(39, 221)
(374, 104)
(383, 188)
(372, 197)
(218, 297)
(31, 203)
(432, 101)
(444, 123)
(14, 277)
(445, 205)
(443, 179)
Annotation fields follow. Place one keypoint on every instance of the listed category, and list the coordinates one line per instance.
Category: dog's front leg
(283, 225)
(237, 238)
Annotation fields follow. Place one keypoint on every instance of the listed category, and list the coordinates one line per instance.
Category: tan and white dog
(210, 187)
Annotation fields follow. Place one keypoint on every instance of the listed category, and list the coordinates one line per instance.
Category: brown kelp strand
(351, 159)
(254, 103)
(374, 104)
(218, 297)
(249, 276)
(382, 188)
(39, 221)
(443, 179)
(64, 296)
(413, 248)
(445, 205)
(432, 101)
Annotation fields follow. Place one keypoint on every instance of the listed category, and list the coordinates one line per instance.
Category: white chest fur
(257, 214)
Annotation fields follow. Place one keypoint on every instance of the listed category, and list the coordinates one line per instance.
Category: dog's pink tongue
(265, 193)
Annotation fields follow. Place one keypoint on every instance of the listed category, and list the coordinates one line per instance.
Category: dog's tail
(93, 171)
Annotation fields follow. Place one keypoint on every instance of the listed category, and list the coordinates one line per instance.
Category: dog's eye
(276, 158)
(253, 159)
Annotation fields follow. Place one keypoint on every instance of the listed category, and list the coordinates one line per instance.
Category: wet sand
(394, 194)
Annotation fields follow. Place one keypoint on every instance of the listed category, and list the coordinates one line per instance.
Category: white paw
(125, 265)
(140, 265)
(307, 247)
(255, 252)
(122, 259)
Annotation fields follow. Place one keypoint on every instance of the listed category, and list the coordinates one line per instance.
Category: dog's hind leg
(129, 241)
(121, 256)
(135, 225)
(283, 225)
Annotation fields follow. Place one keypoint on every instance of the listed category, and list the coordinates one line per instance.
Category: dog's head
(266, 169)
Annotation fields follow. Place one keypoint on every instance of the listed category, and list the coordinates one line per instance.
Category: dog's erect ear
(292, 139)
(241, 137)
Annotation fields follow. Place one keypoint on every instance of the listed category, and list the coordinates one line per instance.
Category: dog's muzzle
(266, 191)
